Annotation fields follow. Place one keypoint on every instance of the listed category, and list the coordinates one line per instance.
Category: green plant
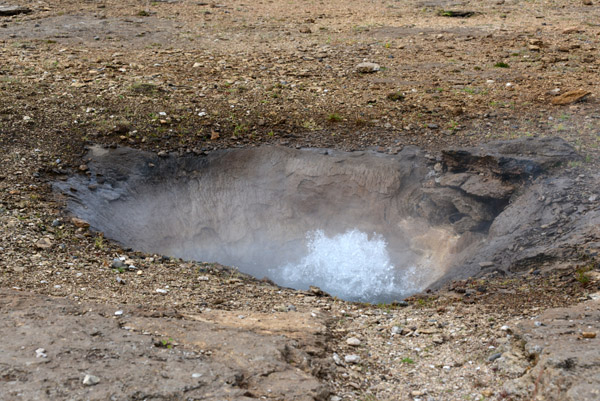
(581, 274)
(334, 117)
(240, 129)
(501, 65)
(407, 360)
(99, 242)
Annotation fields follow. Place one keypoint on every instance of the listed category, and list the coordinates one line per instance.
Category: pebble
(119, 313)
(396, 330)
(338, 361)
(367, 68)
(40, 353)
(352, 358)
(117, 264)
(353, 341)
(44, 243)
(161, 291)
(91, 380)
(495, 356)
(80, 223)
(196, 375)
(588, 334)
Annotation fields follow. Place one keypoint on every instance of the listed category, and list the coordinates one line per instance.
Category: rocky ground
(188, 76)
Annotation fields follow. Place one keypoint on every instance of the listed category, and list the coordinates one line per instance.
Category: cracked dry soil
(189, 77)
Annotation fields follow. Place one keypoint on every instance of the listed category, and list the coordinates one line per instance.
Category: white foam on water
(351, 266)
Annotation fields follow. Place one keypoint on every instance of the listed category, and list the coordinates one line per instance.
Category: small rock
(368, 68)
(6, 11)
(396, 330)
(495, 356)
(316, 291)
(353, 341)
(593, 198)
(40, 353)
(91, 380)
(572, 29)
(117, 264)
(352, 358)
(196, 375)
(44, 243)
(197, 65)
(119, 313)
(438, 339)
(120, 280)
(486, 264)
(80, 223)
(338, 361)
(161, 291)
(396, 96)
(588, 334)
(570, 97)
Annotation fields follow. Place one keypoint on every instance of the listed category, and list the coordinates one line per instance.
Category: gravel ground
(187, 76)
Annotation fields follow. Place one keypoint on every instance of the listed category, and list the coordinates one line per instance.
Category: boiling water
(351, 266)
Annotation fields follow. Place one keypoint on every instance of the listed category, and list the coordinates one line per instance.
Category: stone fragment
(570, 97)
(40, 353)
(588, 334)
(352, 358)
(44, 243)
(6, 11)
(80, 223)
(353, 341)
(91, 380)
(368, 68)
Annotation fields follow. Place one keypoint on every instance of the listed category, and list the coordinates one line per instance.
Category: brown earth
(188, 76)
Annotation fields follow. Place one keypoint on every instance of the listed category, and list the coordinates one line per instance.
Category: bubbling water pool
(350, 266)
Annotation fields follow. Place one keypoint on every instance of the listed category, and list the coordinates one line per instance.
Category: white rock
(338, 361)
(196, 375)
(119, 313)
(91, 380)
(161, 291)
(366, 67)
(352, 358)
(353, 341)
(40, 353)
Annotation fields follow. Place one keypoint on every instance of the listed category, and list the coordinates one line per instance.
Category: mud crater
(363, 226)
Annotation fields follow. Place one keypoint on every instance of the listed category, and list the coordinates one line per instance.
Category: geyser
(363, 226)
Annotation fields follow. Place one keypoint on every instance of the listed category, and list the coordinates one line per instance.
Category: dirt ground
(191, 76)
